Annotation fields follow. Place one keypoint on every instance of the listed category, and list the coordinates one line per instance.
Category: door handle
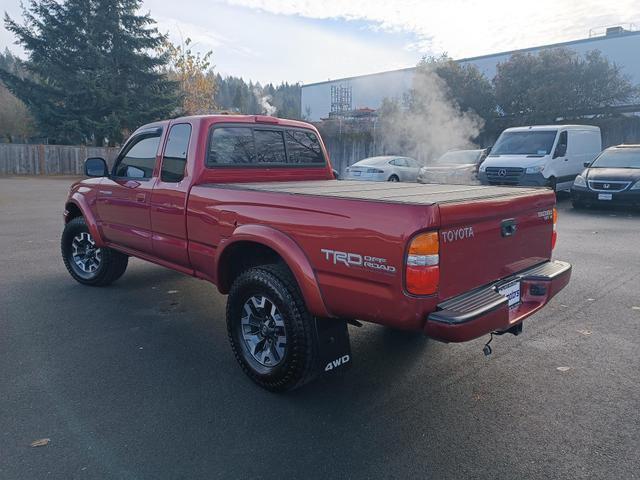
(141, 197)
(508, 227)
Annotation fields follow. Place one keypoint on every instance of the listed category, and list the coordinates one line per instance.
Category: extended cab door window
(175, 153)
(139, 158)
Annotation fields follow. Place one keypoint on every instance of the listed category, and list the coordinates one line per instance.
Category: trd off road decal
(355, 260)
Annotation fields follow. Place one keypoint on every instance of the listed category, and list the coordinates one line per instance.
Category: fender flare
(289, 251)
(81, 203)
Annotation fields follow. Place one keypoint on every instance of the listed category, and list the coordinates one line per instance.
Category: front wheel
(87, 263)
(270, 330)
(394, 178)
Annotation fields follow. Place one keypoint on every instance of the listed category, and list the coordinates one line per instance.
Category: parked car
(250, 204)
(612, 178)
(384, 169)
(543, 155)
(454, 167)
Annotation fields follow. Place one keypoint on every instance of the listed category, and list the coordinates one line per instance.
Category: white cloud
(269, 47)
(311, 40)
(467, 27)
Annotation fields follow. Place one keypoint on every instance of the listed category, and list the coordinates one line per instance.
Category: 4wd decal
(356, 260)
(337, 362)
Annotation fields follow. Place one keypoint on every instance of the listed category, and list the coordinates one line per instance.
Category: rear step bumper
(484, 310)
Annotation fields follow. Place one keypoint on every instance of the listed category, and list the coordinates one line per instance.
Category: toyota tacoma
(250, 204)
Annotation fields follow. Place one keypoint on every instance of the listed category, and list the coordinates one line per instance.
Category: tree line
(97, 69)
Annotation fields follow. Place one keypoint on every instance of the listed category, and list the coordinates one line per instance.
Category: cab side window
(139, 158)
(175, 153)
(561, 148)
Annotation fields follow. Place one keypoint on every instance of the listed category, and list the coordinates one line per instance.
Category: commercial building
(319, 100)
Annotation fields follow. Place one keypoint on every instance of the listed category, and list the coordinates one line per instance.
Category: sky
(314, 40)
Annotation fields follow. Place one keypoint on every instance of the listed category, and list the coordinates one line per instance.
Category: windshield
(538, 142)
(618, 158)
(460, 157)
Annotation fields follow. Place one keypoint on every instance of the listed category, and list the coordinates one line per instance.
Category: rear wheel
(87, 263)
(270, 330)
(394, 178)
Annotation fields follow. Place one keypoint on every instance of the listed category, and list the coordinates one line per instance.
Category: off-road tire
(299, 365)
(112, 263)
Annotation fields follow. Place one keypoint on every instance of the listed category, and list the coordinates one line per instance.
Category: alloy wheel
(263, 331)
(84, 253)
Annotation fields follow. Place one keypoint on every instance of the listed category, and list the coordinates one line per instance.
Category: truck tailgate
(490, 239)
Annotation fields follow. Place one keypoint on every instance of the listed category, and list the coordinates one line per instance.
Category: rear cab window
(258, 146)
(269, 145)
(303, 147)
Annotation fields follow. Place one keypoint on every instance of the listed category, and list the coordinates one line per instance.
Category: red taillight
(423, 272)
(554, 235)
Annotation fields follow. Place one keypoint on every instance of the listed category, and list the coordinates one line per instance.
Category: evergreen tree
(234, 94)
(16, 124)
(93, 75)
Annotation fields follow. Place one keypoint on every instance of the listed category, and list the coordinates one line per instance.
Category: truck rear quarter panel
(334, 234)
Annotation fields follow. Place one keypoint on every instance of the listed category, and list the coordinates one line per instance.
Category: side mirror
(561, 151)
(586, 164)
(96, 167)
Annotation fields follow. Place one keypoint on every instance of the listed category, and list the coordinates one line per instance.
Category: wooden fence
(19, 159)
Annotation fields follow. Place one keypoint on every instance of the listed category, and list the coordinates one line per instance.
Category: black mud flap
(333, 343)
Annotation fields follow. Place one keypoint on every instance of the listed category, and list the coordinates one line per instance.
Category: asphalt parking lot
(137, 381)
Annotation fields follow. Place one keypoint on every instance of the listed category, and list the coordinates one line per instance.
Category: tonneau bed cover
(412, 193)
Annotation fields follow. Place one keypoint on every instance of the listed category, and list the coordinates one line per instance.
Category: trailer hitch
(514, 330)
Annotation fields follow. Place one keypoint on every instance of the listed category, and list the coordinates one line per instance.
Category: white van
(541, 155)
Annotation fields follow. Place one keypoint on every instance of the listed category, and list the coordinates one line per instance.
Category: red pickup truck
(250, 203)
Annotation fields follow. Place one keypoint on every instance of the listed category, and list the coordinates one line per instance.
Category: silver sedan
(454, 167)
(384, 169)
